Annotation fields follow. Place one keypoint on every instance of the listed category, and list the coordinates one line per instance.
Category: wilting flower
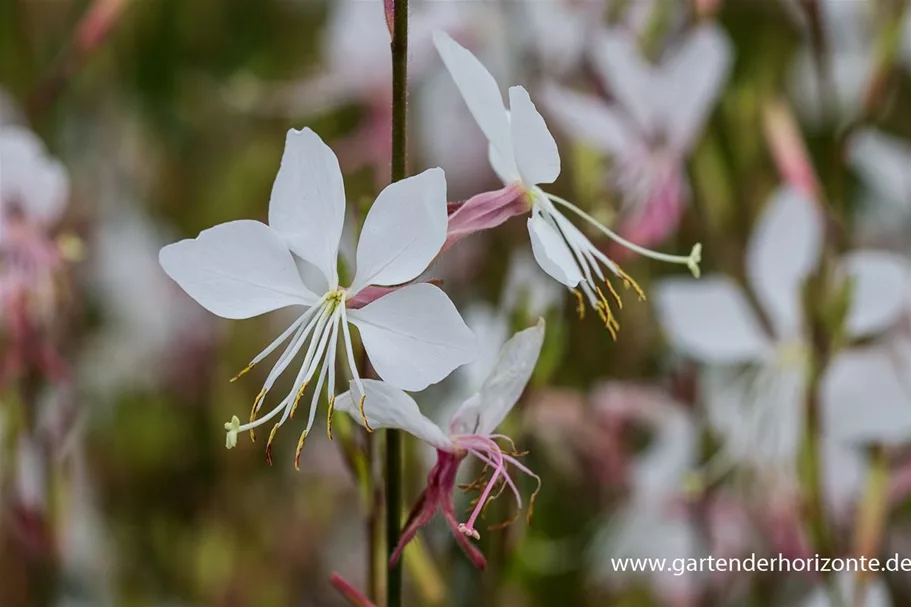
(34, 188)
(413, 335)
(756, 380)
(524, 154)
(471, 431)
(654, 124)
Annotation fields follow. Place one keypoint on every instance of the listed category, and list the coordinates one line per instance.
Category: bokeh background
(168, 116)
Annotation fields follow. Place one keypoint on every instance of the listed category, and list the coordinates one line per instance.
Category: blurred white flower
(34, 188)
(146, 319)
(884, 164)
(759, 409)
(413, 335)
(659, 114)
(471, 431)
(524, 154)
(655, 521)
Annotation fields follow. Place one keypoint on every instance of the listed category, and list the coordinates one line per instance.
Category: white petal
(503, 167)
(403, 232)
(535, 150)
(710, 320)
(783, 251)
(551, 251)
(238, 269)
(481, 94)
(866, 397)
(884, 162)
(629, 77)
(880, 283)
(692, 81)
(389, 407)
(414, 336)
(308, 201)
(36, 181)
(589, 120)
(499, 393)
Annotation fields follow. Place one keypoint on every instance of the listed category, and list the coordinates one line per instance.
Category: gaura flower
(756, 381)
(34, 188)
(524, 154)
(413, 335)
(654, 124)
(471, 431)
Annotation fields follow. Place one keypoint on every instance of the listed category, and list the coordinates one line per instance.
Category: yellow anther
(269, 443)
(629, 282)
(531, 502)
(300, 447)
(360, 409)
(613, 292)
(608, 319)
(297, 399)
(243, 372)
(257, 402)
(329, 416)
(580, 306)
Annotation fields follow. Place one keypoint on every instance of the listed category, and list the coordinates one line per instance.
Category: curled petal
(551, 251)
(388, 407)
(484, 212)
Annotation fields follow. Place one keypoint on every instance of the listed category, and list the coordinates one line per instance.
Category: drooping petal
(710, 320)
(691, 82)
(629, 77)
(236, 270)
(534, 148)
(481, 94)
(589, 120)
(33, 180)
(884, 162)
(403, 232)
(866, 397)
(307, 206)
(414, 336)
(551, 251)
(879, 287)
(482, 413)
(389, 407)
(783, 251)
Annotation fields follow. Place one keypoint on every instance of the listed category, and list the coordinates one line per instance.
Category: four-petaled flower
(472, 431)
(759, 409)
(413, 335)
(654, 125)
(524, 154)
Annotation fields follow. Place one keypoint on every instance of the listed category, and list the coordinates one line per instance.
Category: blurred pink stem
(352, 594)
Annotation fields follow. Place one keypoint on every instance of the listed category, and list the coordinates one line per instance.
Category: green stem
(394, 467)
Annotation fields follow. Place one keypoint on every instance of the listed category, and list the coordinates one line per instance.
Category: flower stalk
(394, 447)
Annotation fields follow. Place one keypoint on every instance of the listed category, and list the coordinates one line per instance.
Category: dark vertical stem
(394, 463)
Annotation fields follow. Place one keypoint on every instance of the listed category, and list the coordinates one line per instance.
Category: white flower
(472, 428)
(523, 152)
(413, 335)
(32, 184)
(759, 409)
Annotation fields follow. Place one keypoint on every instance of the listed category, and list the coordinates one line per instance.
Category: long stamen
(691, 261)
(468, 528)
(349, 351)
(330, 362)
(275, 344)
